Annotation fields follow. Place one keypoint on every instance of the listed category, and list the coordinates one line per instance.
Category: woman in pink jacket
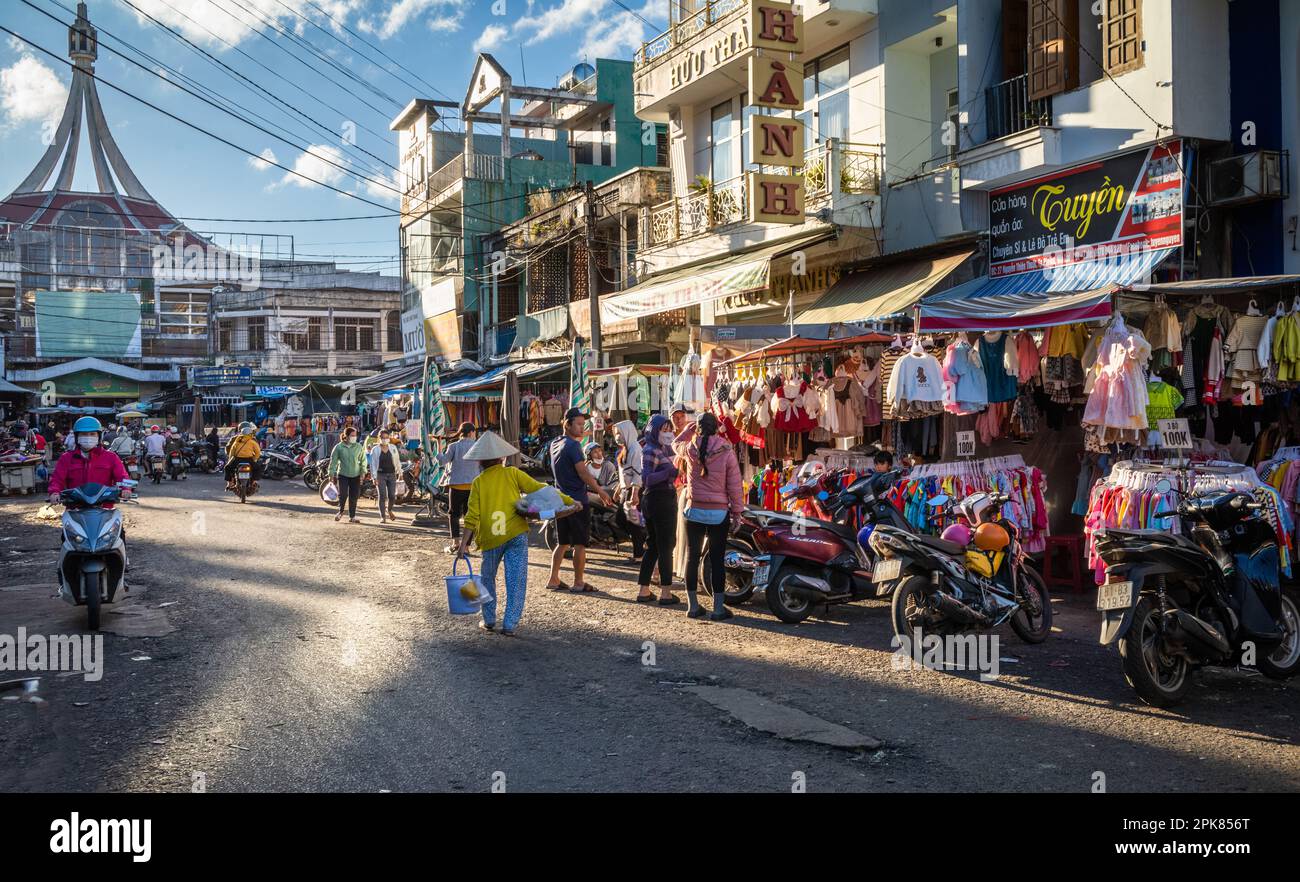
(713, 503)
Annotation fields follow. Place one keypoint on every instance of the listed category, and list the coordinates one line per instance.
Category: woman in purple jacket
(659, 505)
(713, 504)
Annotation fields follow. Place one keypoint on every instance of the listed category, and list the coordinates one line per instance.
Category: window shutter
(1015, 37)
(1122, 46)
(1053, 50)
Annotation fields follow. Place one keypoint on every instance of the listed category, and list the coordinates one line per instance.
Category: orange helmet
(991, 537)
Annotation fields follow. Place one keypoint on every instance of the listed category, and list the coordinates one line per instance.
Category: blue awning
(488, 385)
(1051, 296)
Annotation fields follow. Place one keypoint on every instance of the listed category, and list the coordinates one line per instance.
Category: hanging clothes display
(1117, 400)
(1025, 485)
(1001, 383)
(1133, 494)
(915, 385)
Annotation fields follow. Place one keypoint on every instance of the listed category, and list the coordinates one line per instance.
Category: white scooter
(92, 559)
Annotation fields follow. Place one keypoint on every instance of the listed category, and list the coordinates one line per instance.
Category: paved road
(294, 653)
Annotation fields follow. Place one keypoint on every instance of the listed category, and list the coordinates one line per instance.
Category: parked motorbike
(244, 485)
(199, 456)
(1175, 602)
(943, 587)
(92, 558)
(806, 561)
(284, 461)
(609, 528)
(176, 469)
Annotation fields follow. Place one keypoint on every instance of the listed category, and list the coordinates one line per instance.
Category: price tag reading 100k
(1175, 434)
(966, 443)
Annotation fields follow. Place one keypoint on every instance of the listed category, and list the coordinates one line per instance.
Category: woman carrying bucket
(502, 532)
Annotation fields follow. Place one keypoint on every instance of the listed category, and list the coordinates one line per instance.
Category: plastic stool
(1072, 577)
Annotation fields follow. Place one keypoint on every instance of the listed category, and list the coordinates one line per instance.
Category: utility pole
(592, 295)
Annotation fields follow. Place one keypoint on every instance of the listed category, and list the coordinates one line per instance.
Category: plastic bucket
(457, 604)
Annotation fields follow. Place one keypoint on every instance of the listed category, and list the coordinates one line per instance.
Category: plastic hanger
(1252, 308)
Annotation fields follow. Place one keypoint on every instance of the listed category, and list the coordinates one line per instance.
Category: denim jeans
(515, 555)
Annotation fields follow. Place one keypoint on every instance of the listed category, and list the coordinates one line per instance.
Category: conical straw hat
(490, 445)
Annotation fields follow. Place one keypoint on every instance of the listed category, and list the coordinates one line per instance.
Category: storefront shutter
(1122, 47)
(1053, 50)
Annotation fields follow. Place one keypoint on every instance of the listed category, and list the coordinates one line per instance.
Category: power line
(194, 126)
(345, 169)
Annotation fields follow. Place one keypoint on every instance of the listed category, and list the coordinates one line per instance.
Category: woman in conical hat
(501, 532)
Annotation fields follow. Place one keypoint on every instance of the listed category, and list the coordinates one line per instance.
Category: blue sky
(358, 90)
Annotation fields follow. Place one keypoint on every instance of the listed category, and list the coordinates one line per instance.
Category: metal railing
(680, 32)
(1009, 109)
(832, 168)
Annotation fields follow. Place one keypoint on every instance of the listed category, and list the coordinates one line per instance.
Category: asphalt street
(264, 647)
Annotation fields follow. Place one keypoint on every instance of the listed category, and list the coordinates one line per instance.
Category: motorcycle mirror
(936, 501)
(1163, 486)
(823, 496)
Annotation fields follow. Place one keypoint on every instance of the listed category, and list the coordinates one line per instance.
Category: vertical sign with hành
(776, 82)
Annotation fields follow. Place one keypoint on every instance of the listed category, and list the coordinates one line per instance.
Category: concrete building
(460, 186)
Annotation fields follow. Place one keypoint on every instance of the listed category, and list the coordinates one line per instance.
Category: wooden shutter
(1015, 37)
(1053, 49)
(1122, 36)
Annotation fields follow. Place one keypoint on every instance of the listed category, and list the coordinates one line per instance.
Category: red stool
(1072, 570)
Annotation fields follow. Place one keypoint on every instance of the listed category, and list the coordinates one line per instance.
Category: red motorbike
(810, 561)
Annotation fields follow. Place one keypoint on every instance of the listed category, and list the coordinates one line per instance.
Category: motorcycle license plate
(887, 571)
(1115, 595)
(761, 570)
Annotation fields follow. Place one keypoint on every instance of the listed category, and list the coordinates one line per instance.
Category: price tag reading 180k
(966, 443)
(1175, 434)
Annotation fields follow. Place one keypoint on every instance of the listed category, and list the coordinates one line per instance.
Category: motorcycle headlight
(78, 534)
(108, 529)
(879, 544)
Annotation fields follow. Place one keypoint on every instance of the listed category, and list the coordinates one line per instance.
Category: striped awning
(1063, 295)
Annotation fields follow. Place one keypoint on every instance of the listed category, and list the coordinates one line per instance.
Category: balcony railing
(694, 23)
(832, 168)
(1009, 109)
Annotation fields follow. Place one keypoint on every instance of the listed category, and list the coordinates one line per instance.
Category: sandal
(672, 600)
(645, 598)
(484, 626)
(559, 586)
(507, 632)
(582, 589)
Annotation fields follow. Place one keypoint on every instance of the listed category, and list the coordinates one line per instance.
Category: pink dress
(1118, 399)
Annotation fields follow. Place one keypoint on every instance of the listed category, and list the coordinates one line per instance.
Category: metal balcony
(1008, 108)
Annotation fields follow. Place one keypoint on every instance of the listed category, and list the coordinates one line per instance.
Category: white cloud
(319, 162)
(606, 31)
(491, 38)
(263, 162)
(31, 93)
(403, 12)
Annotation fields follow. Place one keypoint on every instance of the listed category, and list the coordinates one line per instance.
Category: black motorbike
(945, 588)
(1176, 602)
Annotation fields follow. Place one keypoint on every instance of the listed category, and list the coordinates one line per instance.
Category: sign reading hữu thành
(776, 82)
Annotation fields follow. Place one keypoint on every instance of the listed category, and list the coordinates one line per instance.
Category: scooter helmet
(247, 428)
(864, 535)
(87, 424)
(991, 537)
(959, 533)
(588, 449)
(155, 428)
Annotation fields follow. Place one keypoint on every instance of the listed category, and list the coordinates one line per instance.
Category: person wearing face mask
(385, 466)
(628, 460)
(87, 462)
(601, 468)
(713, 506)
(659, 506)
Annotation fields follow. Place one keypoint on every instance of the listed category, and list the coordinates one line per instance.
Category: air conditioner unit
(1248, 177)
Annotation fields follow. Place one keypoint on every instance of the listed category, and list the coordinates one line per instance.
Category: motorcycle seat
(940, 544)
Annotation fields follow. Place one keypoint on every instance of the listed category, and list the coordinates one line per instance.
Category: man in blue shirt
(574, 479)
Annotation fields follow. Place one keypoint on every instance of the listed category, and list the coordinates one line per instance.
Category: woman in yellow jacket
(501, 531)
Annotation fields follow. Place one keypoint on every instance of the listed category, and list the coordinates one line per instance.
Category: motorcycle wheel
(90, 594)
(1284, 661)
(1160, 681)
(1021, 623)
(906, 607)
(243, 491)
(740, 585)
(787, 607)
(550, 535)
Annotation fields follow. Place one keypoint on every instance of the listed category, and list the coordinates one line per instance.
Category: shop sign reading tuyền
(1103, 210)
